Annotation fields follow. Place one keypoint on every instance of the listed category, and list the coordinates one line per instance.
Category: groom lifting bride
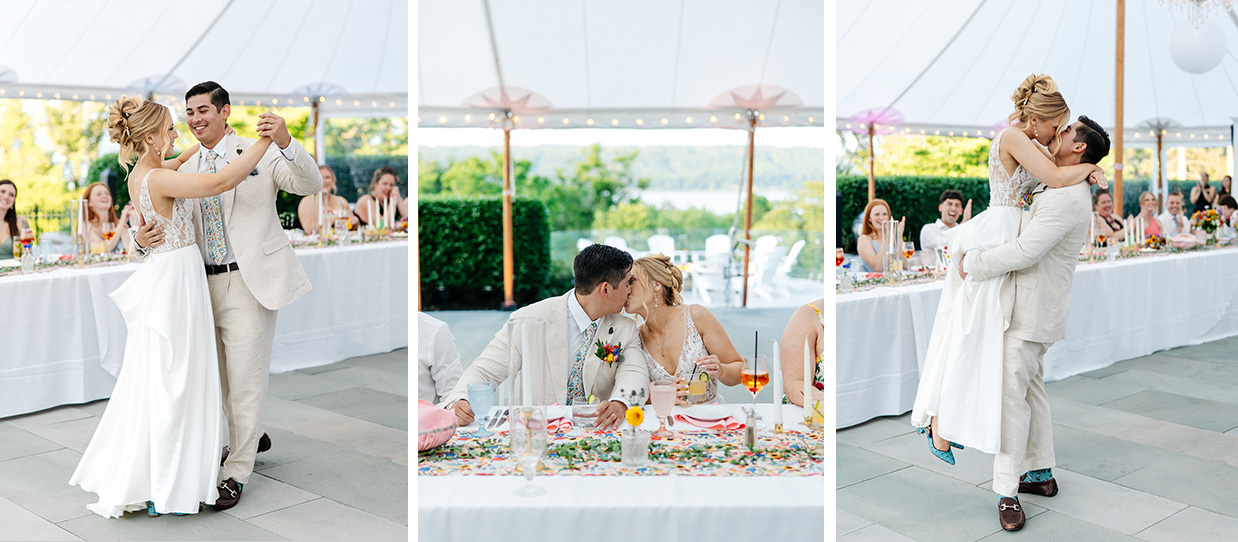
(1014, 263)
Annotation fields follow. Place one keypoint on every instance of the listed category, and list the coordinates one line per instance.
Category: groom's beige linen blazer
(264, 256)
(599, 379)
(1043, 259)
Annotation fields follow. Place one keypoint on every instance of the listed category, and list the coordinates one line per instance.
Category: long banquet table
(1118, 310)
(62, 328)
(629, 506)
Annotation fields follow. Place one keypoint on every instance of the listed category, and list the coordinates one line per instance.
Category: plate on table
(708, 413)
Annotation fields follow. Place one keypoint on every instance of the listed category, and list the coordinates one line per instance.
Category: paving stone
(874, 430)
(846, 522)
(1198, 482)
(1192, 524)
(1054, 526)
(971, 466)
(1100, 456)
(17, 442)
(1170, 407)
(73, 434)
(1090, 391)
(323, 519)
(366, 404)
(1097, 419)
(40, 484)
(874, 533)
(296, 385)
(264, 495)
(1092, 500)
(358, 480)
(206, 525)
(855, 465)
(22, 524)
(49, 416)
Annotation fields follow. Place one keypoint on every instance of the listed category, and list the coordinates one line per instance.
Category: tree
(26, 164)
(75, 129)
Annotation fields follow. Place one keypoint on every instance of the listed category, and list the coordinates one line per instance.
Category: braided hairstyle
(129, 120)
(658, 268)
(1038, 97)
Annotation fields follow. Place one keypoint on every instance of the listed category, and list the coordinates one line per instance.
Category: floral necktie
(213, 219)
(576, 382)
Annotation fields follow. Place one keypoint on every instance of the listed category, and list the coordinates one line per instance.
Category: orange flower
(635, 416)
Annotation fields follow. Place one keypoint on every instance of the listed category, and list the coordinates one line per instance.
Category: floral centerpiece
(1208, 220)
(1154, 242)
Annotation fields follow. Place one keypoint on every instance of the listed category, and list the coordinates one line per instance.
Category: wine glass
(481, 398)
(909, 250)
(109, 231)
(662, 394)
(529, 441)
(754, 376)
(839, 257)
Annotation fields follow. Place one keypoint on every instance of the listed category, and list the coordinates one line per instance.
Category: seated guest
(382, 186)
(1226, 207)
(873, 243)
(100, 215)
(569, 327)
(678, 341)
(932, 237)
(1225, 189)
(11, 225)
(806, 324)
(1105, 223)
(1147, 211)
(1202, 194)
(438, 362)
(336, 207)
(1173, 221)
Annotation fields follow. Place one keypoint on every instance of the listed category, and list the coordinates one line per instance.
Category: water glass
(529, 440)
(584, 413)
(634, 448)
(481, 398)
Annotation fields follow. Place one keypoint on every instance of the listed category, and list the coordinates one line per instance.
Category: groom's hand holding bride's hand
(273, 126)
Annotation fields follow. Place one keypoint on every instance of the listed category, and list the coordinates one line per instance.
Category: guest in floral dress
(805, 325)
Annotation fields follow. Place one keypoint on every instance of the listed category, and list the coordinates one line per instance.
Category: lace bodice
(177, 231)
(1007, 190)
(693, 349)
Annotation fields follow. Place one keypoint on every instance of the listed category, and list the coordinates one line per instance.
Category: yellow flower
(635, 416)
(610, 358)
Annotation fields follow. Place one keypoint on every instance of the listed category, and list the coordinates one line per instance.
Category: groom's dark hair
(600, 263)
(1096, 139)
(219, 96)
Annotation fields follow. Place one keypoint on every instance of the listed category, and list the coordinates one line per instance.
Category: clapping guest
(382, 186)
(13, 225)
(932, 236)
(679, 341)
(101, 219)
(1226, 207)
(1173, 221)
(874, 240)
(1202, 194)
(806, 324)
(332, 204)
(1105, 223)
(438, 361)
(1147, 212)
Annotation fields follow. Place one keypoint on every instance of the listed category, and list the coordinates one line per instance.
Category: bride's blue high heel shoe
(948, 455)
(150, 510)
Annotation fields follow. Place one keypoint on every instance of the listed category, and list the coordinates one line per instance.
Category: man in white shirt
(1226, 207)
(932, 237)
(438, 361)
(1173, 221)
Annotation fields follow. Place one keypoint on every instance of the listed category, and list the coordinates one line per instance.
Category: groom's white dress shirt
(219, 149)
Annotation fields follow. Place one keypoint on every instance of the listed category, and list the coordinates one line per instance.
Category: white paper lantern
(1197, 50)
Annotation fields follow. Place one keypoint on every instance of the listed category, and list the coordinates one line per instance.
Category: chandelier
(1198, 10)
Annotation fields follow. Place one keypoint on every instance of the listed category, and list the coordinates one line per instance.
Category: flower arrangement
(1154, 242)
(610, 353)
(1208, 220)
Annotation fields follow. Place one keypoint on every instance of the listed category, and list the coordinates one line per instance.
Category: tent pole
(872, 176)
(320, 157)
(752, 133)
(1119, 83)
(1160, 170)
(509, 301)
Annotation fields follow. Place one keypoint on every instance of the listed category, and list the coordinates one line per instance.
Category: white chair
(779, 279)
(769, 265)
(759, 258)
(616, 241)
(582, 244)
(714, 273)
(664, 244)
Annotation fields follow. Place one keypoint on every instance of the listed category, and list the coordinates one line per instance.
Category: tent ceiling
(635, 64)
(953, 64)
(352, 52)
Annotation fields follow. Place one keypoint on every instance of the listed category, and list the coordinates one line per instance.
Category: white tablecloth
(625, 508)
(61, 326)
(1118, 311)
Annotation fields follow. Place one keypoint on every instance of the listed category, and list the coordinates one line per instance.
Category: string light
(322, 99)
(640, 122)
(468, 117)
(1178, 134)
(589, 122)
(373, 103)
(356, 103)
(849, 126)
(338, 101)
(786, 118)
(737, 117)
(964, 133)
(810, 121)
(936, 132)
(689, 119)
(75, 96)
(565, 121)
(38, 95)
(951, 133)
(23, 93)
(713, 118)
(761, 116)
(541, 120)
(57, 95)
(921, 132)
(515, 119)
(391, 104)
(442, 120)
(614, 122)
(92, 96)
(664, 121)
(108, 97)
(305, 99)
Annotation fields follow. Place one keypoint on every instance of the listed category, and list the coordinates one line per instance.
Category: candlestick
(511, 369)
(808, 378)
(777, 374)
(526, 367)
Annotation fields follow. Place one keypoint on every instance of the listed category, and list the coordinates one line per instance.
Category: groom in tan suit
(571, 325)
(252, 271)
(1043, 260)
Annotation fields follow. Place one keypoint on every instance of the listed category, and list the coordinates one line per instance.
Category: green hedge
(916, 197)
(461, 252)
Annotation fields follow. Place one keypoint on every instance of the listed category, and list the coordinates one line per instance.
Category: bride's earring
(1034, 134)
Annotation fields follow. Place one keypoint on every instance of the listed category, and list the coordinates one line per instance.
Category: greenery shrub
(461, 252)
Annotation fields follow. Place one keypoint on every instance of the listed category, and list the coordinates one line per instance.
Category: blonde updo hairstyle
(129, 120)
(658, 269)
(1038, 97)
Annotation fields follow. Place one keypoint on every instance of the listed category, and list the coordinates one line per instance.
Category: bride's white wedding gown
(961, 381)
(160, 436)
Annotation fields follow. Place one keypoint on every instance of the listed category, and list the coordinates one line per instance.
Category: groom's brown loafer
(1047, 488)
(264, 444)
(229, 494)
(1010, 514)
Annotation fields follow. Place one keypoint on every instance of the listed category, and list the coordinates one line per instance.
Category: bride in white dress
(157, 444)
(959, 396)
(679, 341)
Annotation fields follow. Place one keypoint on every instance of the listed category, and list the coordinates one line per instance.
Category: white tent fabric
(634, 64)
(351, 53)
(951, 65)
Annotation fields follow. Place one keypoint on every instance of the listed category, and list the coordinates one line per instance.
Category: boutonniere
(610, 353)
(1026, 201)
(253, 173)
